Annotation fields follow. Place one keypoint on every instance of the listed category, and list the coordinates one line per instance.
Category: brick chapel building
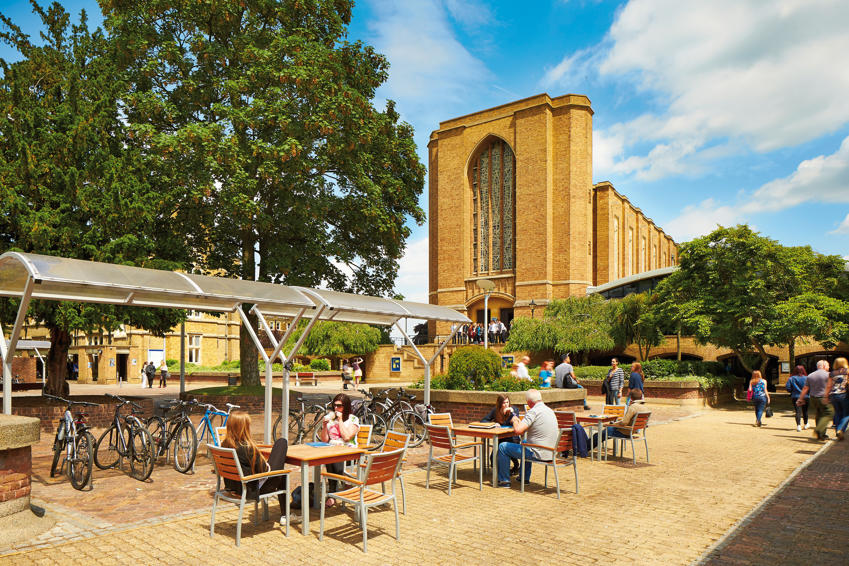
(512, 200)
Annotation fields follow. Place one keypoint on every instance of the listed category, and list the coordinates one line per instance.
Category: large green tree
(71, 183)
(740, 290)
(577, 325)
(636, 321)
(262, 111)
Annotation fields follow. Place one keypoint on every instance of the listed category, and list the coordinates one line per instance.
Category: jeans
(585, 399)
(607, 432)
(760, 405)
(508, 451)
(801, 411)
(840, 401)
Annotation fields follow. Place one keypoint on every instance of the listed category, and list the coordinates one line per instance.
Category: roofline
(632, 279)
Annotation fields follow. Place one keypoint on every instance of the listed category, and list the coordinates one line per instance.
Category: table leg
(495, 440)
(316, 470)
(305, 498)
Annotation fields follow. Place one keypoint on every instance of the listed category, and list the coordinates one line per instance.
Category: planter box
(689, 393)
(469, 406)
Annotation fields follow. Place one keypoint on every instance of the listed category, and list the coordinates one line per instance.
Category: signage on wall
(395, 363)
(506, 361)
(111, 362)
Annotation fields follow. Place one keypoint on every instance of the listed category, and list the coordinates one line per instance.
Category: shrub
(504, 383)
(474, 366)
(664, 369)
(591, 372)
(320, 364)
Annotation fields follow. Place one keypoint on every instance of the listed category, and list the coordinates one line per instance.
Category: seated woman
(252, 461)
(339, 427)
(546, 373)
(502, 414)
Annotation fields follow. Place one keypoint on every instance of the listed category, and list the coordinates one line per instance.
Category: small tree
(635, 321)
(473, 367)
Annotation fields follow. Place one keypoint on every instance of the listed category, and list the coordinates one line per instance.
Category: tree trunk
(57, 361)
(743, 363)
(248, 354)
(678, 345)
(791, 355)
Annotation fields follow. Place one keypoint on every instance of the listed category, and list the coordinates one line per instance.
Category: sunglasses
(340, 405)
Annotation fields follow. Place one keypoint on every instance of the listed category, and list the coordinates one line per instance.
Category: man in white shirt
(522, 368)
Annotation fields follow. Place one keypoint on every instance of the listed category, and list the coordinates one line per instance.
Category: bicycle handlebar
(70, 402)
(124, 401)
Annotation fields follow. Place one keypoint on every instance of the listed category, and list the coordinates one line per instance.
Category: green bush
(474, 366)
(503, 383)
(664, 369)
(591, 372)
(320, 364)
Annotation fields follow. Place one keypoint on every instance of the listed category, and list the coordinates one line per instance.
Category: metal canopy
(432, 312)
(348, 307)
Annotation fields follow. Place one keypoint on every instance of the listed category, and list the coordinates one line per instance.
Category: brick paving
(699, 484)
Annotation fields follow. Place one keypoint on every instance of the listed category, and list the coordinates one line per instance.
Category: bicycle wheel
(141, 454)
(58, 449)
(378, 429)
(277, 429)
(410, 424)
(79, 467)
(313, 419)
(108, 450)
(185, 444)
(158, 432)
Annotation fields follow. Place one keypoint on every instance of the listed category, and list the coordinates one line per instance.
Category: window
(493, 208)
(644, 264)
(654, 256)
(616, 247)
(195, 314)
(629, 258)
(194, 348)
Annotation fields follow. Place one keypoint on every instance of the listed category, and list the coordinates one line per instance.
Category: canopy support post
(43, 367)
(8, 352)
(267, 413)
(427, 363)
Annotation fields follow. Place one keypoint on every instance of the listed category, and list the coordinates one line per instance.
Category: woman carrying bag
(758, 394)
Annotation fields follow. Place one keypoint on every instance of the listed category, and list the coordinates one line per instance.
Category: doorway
(121, 363)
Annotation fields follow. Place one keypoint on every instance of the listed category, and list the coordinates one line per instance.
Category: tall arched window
(493, 207)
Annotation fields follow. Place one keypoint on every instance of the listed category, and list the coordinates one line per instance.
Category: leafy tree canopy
(635, 321)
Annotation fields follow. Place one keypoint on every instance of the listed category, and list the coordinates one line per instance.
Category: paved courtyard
(709, 469)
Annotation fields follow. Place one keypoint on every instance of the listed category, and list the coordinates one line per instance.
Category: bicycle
(305, 423)
(406, 420)
(364, 412)
(212, 419)
(127, 438)
(74, 440)
(179, 430)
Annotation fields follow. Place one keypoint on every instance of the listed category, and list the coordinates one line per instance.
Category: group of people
(614, 382)
(822, 390)
(352, 372)
(473, 333)
(148, 374)
(339, 427)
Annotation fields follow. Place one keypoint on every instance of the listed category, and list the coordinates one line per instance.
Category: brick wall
(470, 412)
(15, 471)
(98, 417)
(24, 368)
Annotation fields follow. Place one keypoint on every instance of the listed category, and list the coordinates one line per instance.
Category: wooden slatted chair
(394, 441)
(441, 437)
(220, 434)
(380, 468)
(440, 419)
(565, 419)
(638, 427)
(617, 411)
(363, 441)
(227, 466)
(563, 444)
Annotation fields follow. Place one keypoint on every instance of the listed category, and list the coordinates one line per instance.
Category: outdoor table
(304, 455)
(598, 420)
(495, 434)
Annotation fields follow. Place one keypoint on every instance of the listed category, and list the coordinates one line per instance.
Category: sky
(706, 113)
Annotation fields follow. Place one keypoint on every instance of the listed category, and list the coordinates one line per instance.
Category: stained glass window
(493, 213)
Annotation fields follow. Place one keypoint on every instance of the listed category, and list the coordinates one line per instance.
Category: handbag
(749, 395)
(768, 412)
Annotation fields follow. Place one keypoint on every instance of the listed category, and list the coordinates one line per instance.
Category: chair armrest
(266, 446)
(628, 428)
(272, 473)
(346, 479)
(468, 444)
(540, 446)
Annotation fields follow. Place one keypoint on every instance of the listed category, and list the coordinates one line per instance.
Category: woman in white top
(340, 427)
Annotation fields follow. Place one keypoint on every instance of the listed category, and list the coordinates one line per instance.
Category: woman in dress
(144, 383)
(760, 396)
(340, 427)
(358, 372)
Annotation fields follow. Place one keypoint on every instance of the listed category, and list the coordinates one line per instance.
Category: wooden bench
(306, 375)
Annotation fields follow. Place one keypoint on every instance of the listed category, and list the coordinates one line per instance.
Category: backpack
(605, 385)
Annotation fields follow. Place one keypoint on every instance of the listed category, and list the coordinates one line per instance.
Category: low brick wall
(98, 417)
(469, 406)
(673, 392)
(223, 376)
(17, 435)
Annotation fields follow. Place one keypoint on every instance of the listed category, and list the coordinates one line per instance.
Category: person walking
(794, 386)
(635, 381)
(565, 378)
(615, 382)
(163, 374)
(150, 372)
(358, 372)
(819, 385)
(760, 396)
(838, 396)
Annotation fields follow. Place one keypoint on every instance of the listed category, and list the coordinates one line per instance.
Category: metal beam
(8, 352)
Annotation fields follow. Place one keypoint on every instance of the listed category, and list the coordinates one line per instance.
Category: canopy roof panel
(349, 307)
(433, 312)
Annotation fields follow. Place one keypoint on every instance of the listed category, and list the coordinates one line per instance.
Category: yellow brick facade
(561, 221)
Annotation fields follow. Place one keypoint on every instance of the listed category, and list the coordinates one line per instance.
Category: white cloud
(412, 281)
(842, 229)
(824, 178)
(770, 74)
(469, 13)
(703, 218)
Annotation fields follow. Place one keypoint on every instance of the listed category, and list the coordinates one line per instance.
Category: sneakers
(839, 435)
(798, 428)
(504, 484)
(282, 520)
(806, 426)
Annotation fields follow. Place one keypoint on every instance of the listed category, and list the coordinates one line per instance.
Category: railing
(421, 339)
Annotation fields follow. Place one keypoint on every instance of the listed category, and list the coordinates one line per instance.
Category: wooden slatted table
(495, 434)
(597, 420)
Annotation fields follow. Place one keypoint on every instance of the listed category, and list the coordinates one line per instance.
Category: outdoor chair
(363, 441)
(441, 437)
(395, 441)
(562, 446)
(617, 411)
(440, 419)
(220, 434)
(639, 426)
(381, 467)
(565, 419)
(227, 466)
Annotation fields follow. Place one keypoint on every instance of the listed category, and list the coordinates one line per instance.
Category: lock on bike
(127, 438)
(75, 442)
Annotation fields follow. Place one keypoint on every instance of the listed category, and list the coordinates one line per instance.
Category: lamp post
(533, 306)
(487, 287)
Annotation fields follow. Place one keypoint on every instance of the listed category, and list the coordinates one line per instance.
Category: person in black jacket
(502, 413)
(252, 461)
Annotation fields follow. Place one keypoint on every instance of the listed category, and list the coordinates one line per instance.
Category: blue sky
(706, 113)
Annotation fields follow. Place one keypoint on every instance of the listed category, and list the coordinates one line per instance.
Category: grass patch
(255, 390)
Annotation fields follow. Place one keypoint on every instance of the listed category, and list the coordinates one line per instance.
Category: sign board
(506, 361)
(395, 363)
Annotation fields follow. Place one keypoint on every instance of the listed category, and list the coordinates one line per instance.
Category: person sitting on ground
(340, 427)
(502, 414)
(545, 373)
(540, 424)
(252, 461)
(635, 407)
(564, 377)
(794, 386)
